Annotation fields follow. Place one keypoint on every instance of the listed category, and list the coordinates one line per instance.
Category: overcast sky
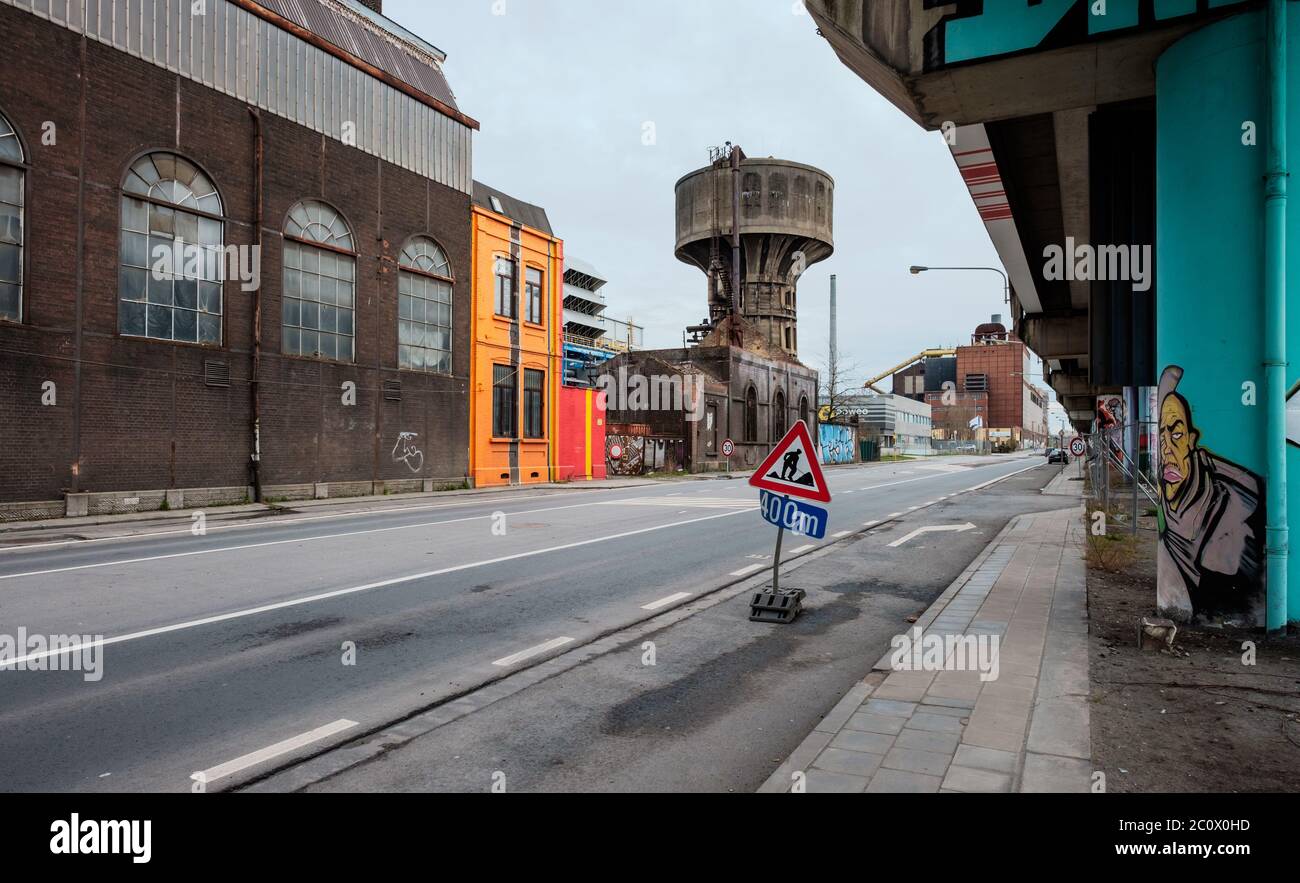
(564, 89)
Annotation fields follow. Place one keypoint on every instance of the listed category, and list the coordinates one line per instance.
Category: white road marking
(269, 543)
(746, 571)
(664, 602)
(950, 528)
(980, 487)
(871, 524)
(895, 515)
(678, 502)
(912, 508)
(231, 767)
(339, 593)
(261, 523)
(375, 530)
(802, 549)
(842, 534)
(516, 658)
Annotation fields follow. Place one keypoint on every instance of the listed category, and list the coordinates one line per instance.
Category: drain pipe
(1275, 364)
(255, 382)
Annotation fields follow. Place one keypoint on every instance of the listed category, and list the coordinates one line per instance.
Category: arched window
(803, 411)
(751, 415)
(12, 185)
(424, 287)
(778, 416)
(173, 256)
(319, 284)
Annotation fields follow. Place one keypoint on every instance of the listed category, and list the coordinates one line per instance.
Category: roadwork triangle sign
(792, 469)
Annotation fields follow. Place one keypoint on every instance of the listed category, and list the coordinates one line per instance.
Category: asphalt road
(236, 652)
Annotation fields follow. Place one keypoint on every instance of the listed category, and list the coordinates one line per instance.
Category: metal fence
(1121, 467)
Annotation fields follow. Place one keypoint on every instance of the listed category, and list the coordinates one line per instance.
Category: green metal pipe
(1275, 364)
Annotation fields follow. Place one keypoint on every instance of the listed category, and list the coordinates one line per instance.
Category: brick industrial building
(318, 130)
(991, 383)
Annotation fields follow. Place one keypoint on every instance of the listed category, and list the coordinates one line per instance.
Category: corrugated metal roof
(363, 36)
(525, 213)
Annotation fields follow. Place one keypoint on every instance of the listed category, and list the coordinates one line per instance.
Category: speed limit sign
(1077, 447)
(728, 448)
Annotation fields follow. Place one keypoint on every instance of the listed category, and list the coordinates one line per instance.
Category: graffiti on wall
(624, 454)
(1211, 554)
(836, 443)
(628, 454)
(406, 452)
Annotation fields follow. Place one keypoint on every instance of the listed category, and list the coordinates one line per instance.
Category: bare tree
(839, 382)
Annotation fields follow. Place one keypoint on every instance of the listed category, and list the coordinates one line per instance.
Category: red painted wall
(579, 461)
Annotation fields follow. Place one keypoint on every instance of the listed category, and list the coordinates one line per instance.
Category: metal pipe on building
(737, 280)
(255, 380)
(1275, 364)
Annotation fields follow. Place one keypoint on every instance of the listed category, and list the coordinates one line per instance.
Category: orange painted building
(515, 370)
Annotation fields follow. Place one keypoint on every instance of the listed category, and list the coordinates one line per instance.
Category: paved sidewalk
(949, 731)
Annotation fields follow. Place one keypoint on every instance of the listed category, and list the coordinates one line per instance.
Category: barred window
(533, 287)
(172, 253)
(12, 184)
(424, 290)
(534, 404)
(504, 396)
(319, 309)
(504, 270)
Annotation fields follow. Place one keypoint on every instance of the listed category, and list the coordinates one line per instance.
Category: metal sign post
(776, 561)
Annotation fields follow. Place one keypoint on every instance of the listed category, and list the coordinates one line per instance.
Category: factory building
(307, 165)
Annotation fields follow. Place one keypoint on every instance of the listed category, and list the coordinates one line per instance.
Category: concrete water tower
(785, 211)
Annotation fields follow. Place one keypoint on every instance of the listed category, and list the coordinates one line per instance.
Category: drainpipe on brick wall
(1275, 364)
(255, 381)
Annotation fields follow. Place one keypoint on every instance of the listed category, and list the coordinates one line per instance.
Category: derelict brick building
(318, 129)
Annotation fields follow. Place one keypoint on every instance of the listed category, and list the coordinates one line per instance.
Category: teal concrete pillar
(1212, 337)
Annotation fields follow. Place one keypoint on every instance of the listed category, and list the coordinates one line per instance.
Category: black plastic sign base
(780, 607)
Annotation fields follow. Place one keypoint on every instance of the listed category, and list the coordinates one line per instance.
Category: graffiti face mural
(1211, 551)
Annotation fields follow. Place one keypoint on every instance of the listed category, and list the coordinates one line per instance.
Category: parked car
(1057, 455)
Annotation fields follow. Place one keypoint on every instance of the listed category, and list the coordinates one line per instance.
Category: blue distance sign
(795, 516)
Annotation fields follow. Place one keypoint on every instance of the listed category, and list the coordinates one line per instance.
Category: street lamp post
(1006, 283)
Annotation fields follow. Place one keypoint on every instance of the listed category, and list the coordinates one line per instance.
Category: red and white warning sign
(792, 469)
